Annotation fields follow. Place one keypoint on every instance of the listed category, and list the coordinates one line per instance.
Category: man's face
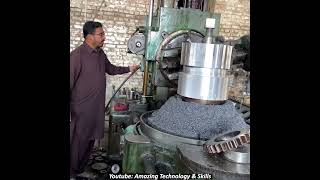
(98, 37)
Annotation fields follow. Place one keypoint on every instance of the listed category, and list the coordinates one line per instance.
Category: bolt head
(210, 23)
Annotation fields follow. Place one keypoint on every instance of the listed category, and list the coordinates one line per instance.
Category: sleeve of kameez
(75, 67)
(113, 70)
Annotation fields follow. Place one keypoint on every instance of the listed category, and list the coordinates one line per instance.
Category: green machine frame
(168, 21)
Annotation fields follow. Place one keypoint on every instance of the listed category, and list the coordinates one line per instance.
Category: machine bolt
(210, 23)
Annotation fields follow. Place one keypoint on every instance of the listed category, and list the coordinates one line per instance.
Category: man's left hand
(134, 67)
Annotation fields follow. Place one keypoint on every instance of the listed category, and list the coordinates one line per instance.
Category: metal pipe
(146, 68)
(159, 6)
(209, 38)
(106, 108)
(145, 78)
(150, 13)
(189, 3)
(205, 6)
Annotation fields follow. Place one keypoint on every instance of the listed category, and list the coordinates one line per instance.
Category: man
(88, 65)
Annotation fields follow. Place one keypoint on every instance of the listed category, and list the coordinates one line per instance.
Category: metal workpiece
(205, 102)
(227, 142)
(204, 75)
(239, 155)
(204, 84)
(204, 55)
(194, 160)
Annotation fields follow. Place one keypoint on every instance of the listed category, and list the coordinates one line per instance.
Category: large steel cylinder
(204, 76)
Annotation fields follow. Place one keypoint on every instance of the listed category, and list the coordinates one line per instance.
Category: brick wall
(235, 22)
(235, 17)
(120, 17)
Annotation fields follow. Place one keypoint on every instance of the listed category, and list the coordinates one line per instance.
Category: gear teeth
(227, 145)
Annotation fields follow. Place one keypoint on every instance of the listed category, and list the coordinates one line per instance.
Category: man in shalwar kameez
(88, 65)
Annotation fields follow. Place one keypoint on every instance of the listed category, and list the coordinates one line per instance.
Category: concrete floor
(99, 152)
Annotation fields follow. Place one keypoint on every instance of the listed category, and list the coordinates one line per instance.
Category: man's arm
(75, 68)
(113, 70)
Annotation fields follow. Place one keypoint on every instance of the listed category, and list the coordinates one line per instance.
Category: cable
(106, 108)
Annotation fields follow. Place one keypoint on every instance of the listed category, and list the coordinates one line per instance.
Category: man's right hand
(134, 67)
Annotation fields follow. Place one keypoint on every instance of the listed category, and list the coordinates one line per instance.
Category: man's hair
(89, 27)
